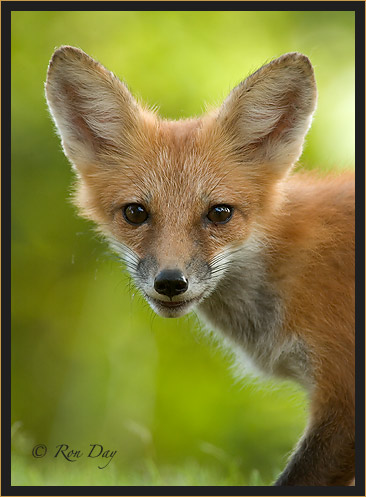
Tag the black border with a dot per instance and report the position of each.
(356, 6)
(229, 5)
(360, 248)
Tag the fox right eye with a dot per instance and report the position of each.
(220, 214)
(135, 214)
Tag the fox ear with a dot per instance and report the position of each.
(93, 110)
(269, 113)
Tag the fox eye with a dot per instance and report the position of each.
(220, 214)
(135, 213)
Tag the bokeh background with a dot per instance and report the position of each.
(90, 362)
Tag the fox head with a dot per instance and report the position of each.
(177, 199)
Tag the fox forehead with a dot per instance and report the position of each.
(180, 164)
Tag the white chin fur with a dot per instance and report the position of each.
(171, 312)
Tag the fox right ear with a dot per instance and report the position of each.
(268, 115)
(92, 109)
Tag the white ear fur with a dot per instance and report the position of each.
(268, 115)
(92, 109)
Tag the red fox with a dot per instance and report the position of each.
(207, 215)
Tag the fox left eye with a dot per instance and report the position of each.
(135, 213)
(220, 214)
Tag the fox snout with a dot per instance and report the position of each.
(172, 290)
(171, 282)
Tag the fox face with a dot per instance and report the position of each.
(175, 249)
(177, 200)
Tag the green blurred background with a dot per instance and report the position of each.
(90, 362)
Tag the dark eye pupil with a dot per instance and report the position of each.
(220, 213)
(135, 213)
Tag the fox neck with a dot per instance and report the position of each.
(249, 312)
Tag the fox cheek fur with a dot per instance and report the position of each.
(206, 214)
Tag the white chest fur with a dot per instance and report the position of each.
(248, 311)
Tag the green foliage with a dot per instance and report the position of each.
(90, 362)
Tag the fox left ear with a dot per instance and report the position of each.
(268, 115)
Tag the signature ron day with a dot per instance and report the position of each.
(63, 451)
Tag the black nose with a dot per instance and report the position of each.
(170, 282)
